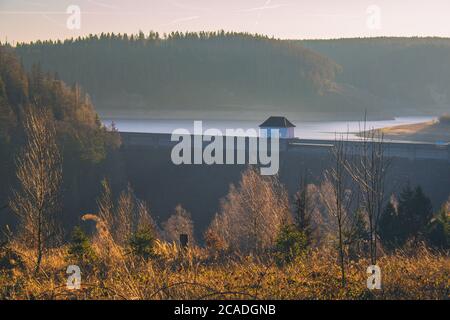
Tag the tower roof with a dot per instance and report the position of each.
(276, 122)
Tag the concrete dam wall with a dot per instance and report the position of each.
(199, 188)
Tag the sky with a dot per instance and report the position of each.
(30, 20)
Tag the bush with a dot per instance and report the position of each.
(142, 243)
(290, 243)
(80, 247)
(252, 213)
(408, 221)
(438, 231)
(179, 223)
(214, 243)
(10, 259)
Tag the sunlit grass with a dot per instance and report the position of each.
(194, 274)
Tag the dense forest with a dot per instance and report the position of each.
(220, 71)
(413, 73)
(206, 70)
(89, 150)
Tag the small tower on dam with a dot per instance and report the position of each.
(283, 125)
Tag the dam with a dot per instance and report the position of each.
(408, 150)
(200, 188)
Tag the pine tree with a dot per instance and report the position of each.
(388, 227)
(416, 211)
(408, 221)
(80, 247)
(438, 231)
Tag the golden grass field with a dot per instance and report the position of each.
(198, 274)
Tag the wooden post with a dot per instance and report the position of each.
(184, 240)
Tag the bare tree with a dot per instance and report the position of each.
(337, 196)
(368, 168)
(39, 171)
(252, 214)
(106, 207)
(304, 209)
(116, 223)
(145, 220)
(126, 216)
(179, 223)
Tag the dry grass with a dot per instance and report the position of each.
(431, 131)
(193, 274)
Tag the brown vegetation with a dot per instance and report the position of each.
(431, 131)
(423, 275)
(256, 248)
(252, 214)
(238, 262)
(39, 171)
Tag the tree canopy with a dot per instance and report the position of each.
(181, 70)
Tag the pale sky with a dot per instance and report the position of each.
(29, 20)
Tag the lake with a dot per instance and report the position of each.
(320, 130)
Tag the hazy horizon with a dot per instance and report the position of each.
(30, 20)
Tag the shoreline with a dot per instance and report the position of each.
(427, 132)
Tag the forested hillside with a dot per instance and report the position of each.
(251, 74)
(88, 149)
(411, 73)
(208, 71)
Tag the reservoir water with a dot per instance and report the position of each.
(320, 130)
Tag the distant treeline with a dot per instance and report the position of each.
(412, 72)
(183, 70)
(219, 70)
